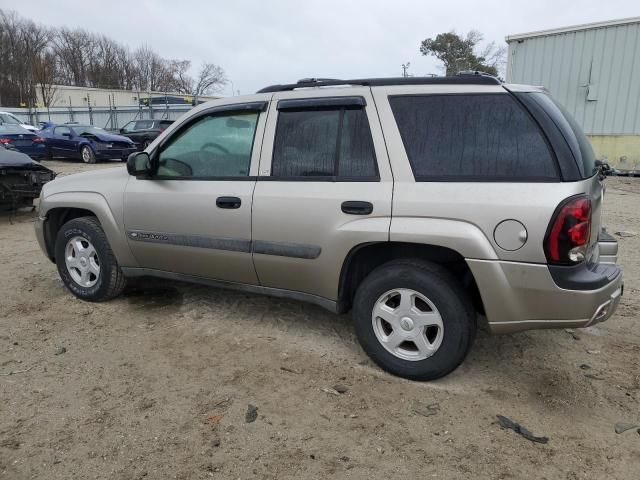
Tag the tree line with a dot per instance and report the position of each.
(35, 58)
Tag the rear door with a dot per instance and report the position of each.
(325, 187)
(194, 216)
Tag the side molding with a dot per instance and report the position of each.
(273, 292)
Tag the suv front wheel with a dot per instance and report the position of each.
(85, 261)
(414, 319)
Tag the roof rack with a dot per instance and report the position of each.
(462, 78)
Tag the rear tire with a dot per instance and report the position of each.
(87, 155)
(85, 261)
(423, 339)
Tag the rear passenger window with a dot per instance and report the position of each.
(324, 143)
(471, 138)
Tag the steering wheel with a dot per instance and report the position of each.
(215, 145)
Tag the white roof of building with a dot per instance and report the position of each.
(573, 28)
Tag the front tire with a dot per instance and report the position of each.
(414, 319)
(85, 261)
(87, 155)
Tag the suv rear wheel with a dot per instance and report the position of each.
(85, 261)
(414, 319)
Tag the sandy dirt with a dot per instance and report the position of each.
(156, 385)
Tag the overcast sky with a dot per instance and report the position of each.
(264, 42)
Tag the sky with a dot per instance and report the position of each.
(260, 43)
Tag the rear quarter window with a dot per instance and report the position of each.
(472, 137)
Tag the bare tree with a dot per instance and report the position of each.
(32, 56)
(45, 75)
(210, 79)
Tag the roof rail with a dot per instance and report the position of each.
(462, 78)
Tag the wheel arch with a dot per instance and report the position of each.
(364, 258)
(63, 207)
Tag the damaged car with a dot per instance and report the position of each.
(21, 179)
(86, 142)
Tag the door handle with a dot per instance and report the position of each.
(228, 202)
(354, 207)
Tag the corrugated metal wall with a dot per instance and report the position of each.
(594, 73)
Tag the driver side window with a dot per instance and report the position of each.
(217, 145)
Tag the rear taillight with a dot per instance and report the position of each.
(568, 236)
(38, 140)
(5, 140)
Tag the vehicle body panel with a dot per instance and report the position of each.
(100, 192)
(174, 225)
(308, 213)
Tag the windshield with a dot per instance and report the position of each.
(88, 129)
(10, 119)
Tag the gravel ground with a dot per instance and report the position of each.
(156, 384)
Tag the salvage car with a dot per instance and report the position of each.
(143, 132)
(22, 140)
(85, 142)
(425, 206)
(21, 179)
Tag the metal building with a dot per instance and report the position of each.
(594, 71)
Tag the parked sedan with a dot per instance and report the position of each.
(143, 132)
(86, 142)
(22, 140)
(10, 119)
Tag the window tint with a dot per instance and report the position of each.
(357, 158)
(212, 146)
(323, 143)
(61, 130)
(586, 157)
(471, 137)
(143, 124)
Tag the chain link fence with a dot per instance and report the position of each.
(110, 118)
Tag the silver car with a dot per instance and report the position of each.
(425, 206)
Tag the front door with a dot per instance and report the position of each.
(61, 143)
(194, 216)
(325, 186)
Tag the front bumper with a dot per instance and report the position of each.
(121, 153)
(39, 228)
(524, 296)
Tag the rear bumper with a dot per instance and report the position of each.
(34, 151)
(524, 296)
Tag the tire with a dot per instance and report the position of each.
(109, 281)
(87, 155)
(146, 143)
(437, 298)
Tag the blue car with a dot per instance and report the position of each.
(17, 138)
(86, 142)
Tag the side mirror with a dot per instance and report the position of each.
(139, 164)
